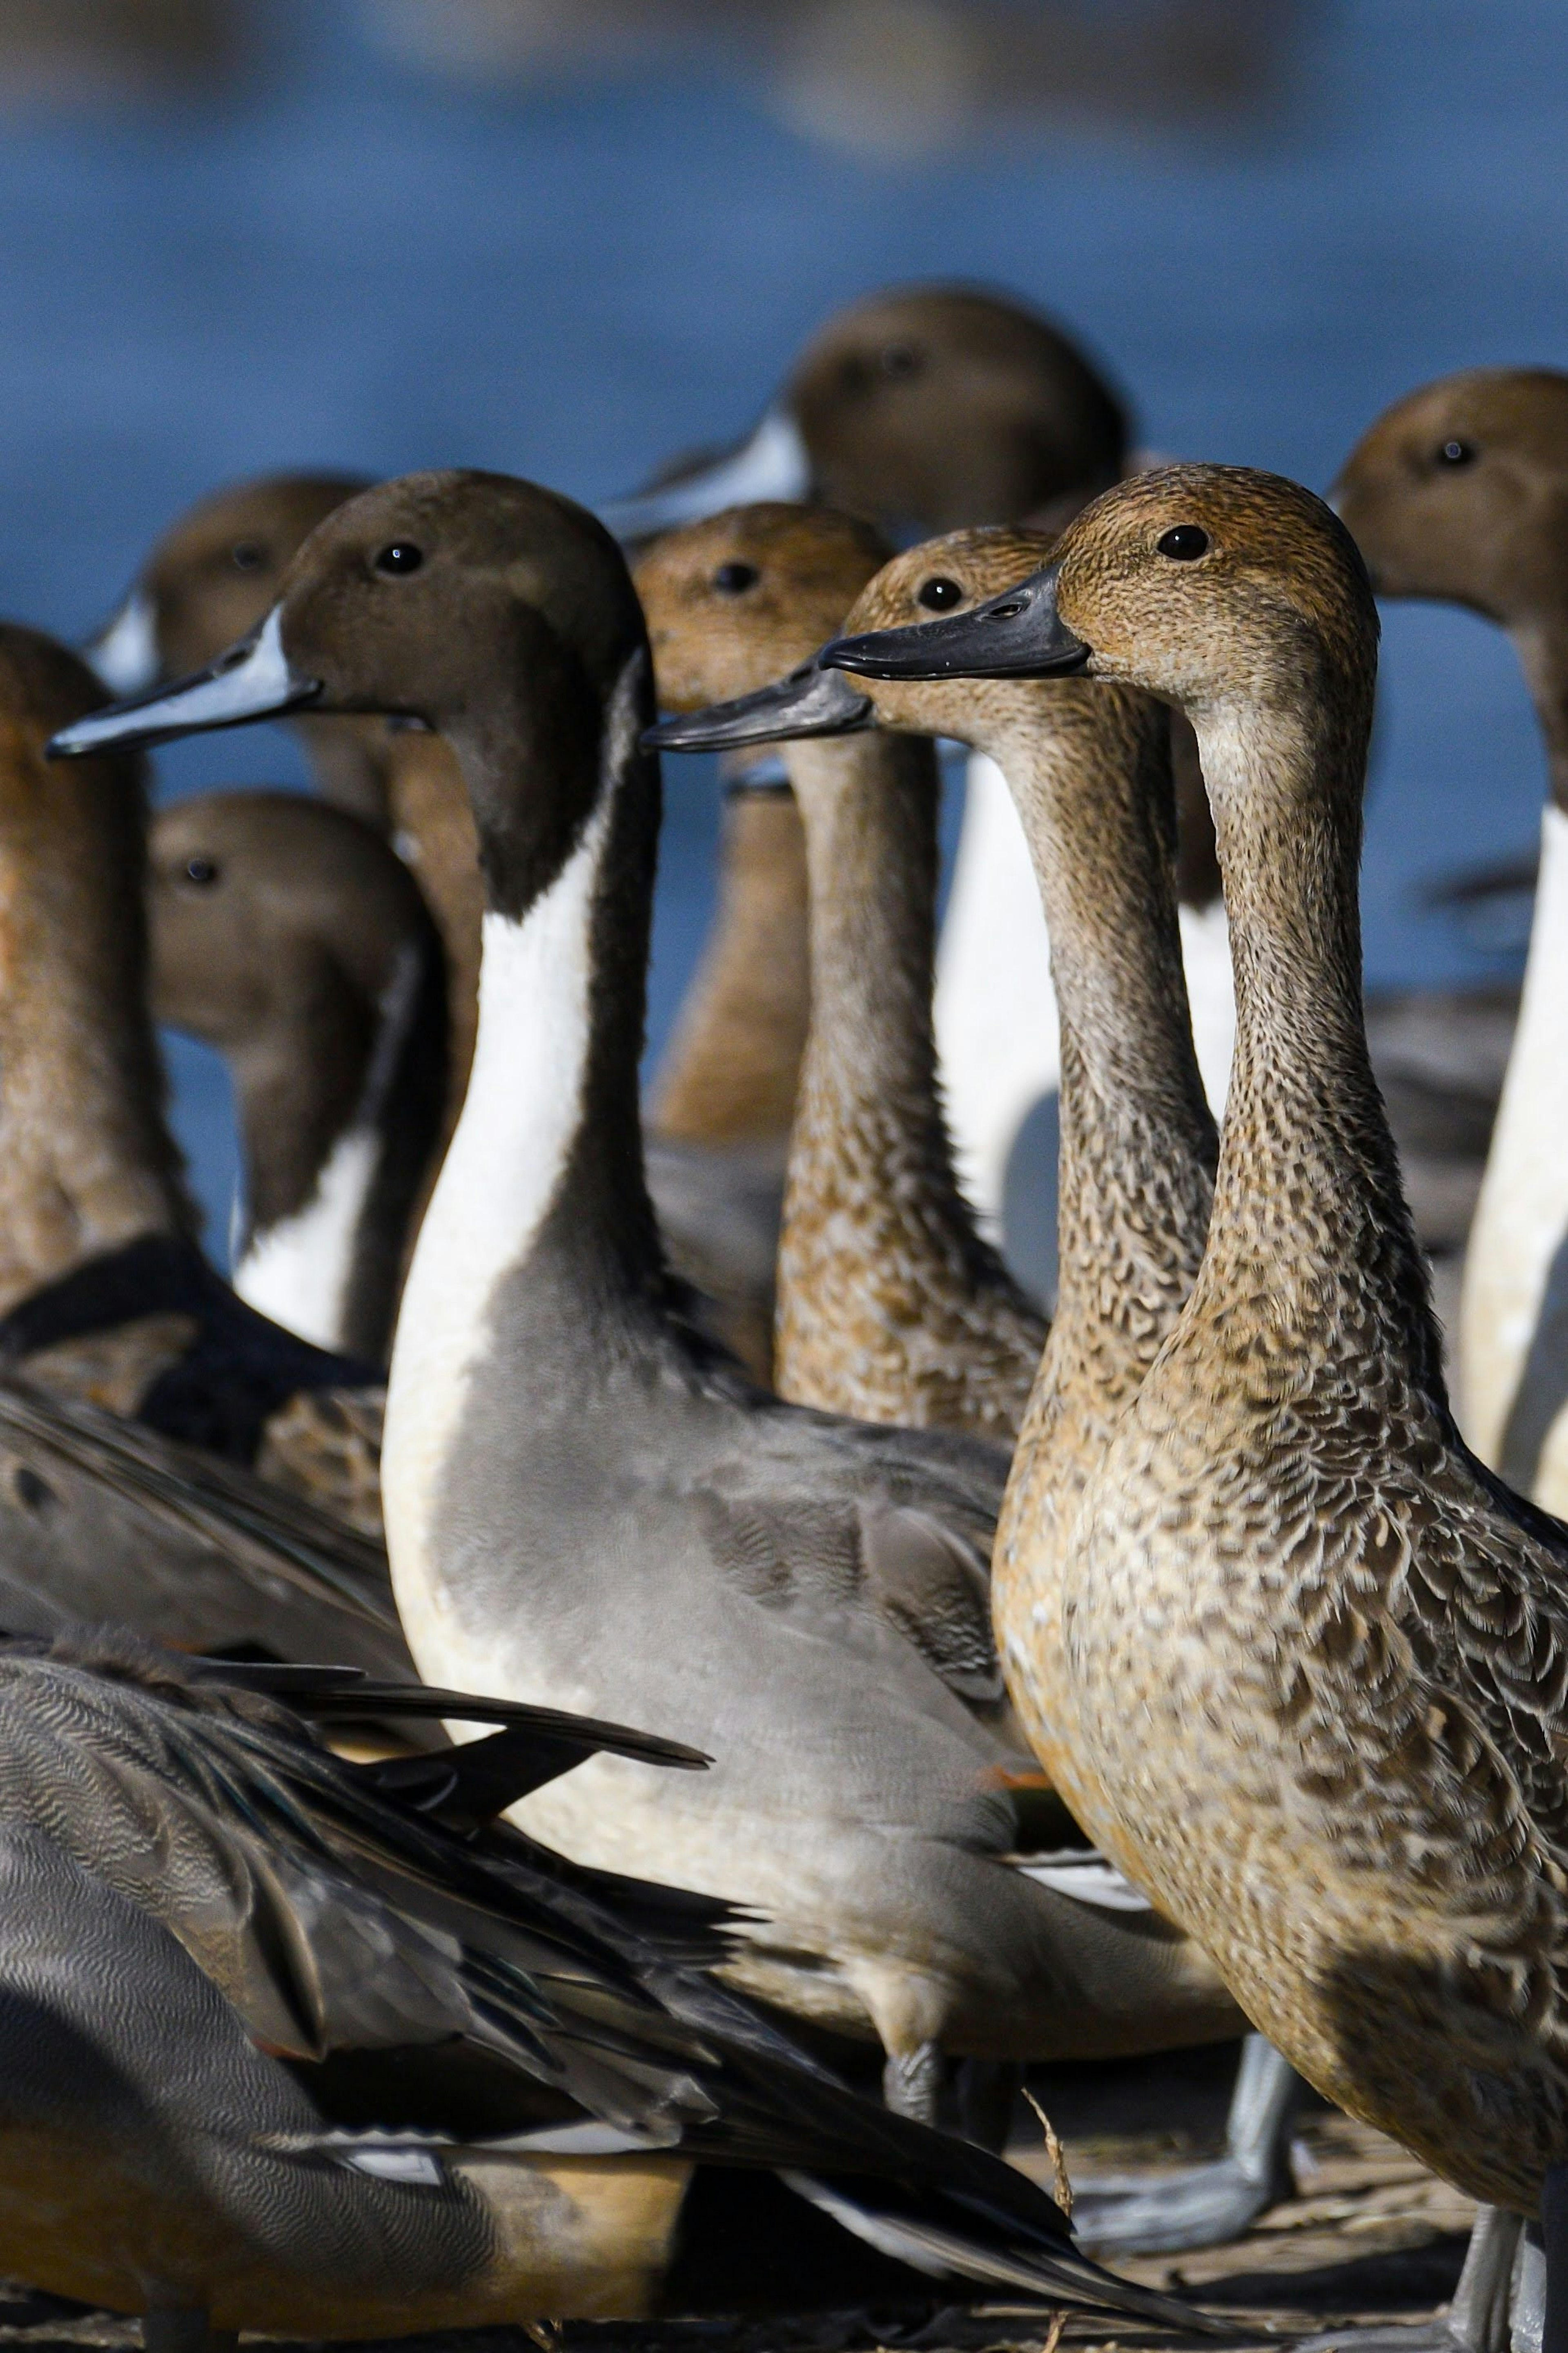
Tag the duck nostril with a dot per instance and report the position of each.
(1010, 610)
(939, 595)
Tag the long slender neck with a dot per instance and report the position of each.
(433, 829)
(1310, 1226)
(1089, 769)
(1541, 644)
(730, 1074)
(87, 1161)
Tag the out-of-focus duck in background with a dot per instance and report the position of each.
(288, 934)
(1460, 491)
(925, 408)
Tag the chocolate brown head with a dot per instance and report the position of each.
(1460, 491)
(736, 601)
(940, 405)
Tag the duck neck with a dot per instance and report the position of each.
(1541, 642)
(733, 1067)
(87, 1161)
(1310, 1226)
(1090, 771)
(542, 1190)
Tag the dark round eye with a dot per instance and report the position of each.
(248, 556)
(1457, 453)
(201, 870)
(902, 360)
(402, 557)
(1184, 544)
(734, 579)
(939, 595)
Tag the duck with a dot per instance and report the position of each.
(926, 408)
(1312, 1700)
(104, 1292)
(1093, 776)
(891, 1307)
(286, 934)
(1453, 493)
(352, 2058)
(214, 575)
(581, 1492)
(206, 580)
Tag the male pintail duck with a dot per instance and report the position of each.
(582, 1494)
(1457, 492)
(890, 1305)
(927, 408)
(1092, 773)
(103, 1291)
(286, 934)
(354, 2058)
(1339, 1759)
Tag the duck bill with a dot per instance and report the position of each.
(254, 680)
(773, 463)
(1018, 634)
(810, 701)
(124, 654)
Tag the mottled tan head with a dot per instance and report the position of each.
(951, 575)
(740, 599)
(1460, 491)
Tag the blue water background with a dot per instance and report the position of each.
(350, 264)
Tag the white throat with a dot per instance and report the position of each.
(501, 1175)
(1513, 1325)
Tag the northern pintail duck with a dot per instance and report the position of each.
(1457, 492)
(927, 408)
(322, 2049)
(583, 1495)
(1300, 1660)
(890, 1306)
(287, 935)
(1092, 772)
(103, 1291)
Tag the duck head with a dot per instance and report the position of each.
(1460, 491)
(924, 406)
(212, 577)
(496, 613)
(1205, 586)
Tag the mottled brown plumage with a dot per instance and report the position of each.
(1315, 1665)
(890, 1306)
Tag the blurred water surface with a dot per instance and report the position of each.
(348, 257)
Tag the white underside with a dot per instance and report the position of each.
(501, 1175)
(1516, 1272)
(997, 1009)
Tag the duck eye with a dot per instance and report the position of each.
(939, 595)
(1455, 452)
(402, 557)
(1184, 544)
(734, 579)
(201, 870)
(902, 360)
(248, 556)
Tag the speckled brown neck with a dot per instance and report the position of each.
(730, 1072)
(1311, 1225)
(87, 1163)
(1541, 644)
(890, 1306)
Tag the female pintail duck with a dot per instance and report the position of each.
(928, 408)
(890, 1306)
(1337, 1761)
(581, 1494)
(1457, 492)
(287, 935)
(103, 1291)
(355, 2060)
(1092, 774)
(214, 575)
